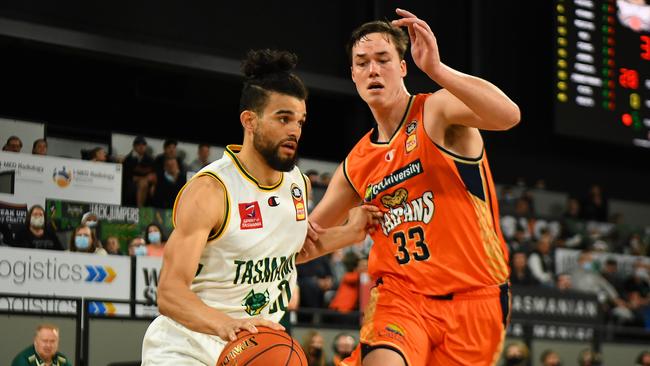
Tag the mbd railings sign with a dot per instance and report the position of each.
(40, 177)
(64, 274)
(552, 314)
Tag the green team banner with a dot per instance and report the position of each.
(113, 220)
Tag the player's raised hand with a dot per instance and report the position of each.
(228, 330)
(424, 47)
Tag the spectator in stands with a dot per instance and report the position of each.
(563, 282)
(168, 184)
(13, 144)
(572, 225)
(346, 298)
(507, 200)
(312, 344)
(343, 345)
(550, 358)
(519, 242)
(36, 234)
(314, 279)
(83, 240)
(44, 351)
(516, 354)
(138, 247)
(586, 279)
(169, 151)
(639, 280)
(640, 307)
(202, 158)
(610, 273)
(594, 206)
(112, 246)
(91, 220)
(98, 154)
(520, 274)
(643, 359)
(155, 242)
(325, 179)
(527, 196)
(541, 261)
(587, 357)
(137, 174)
(39, 147)
(636, 245)
(313, 176)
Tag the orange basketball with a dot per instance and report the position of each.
(268, 347)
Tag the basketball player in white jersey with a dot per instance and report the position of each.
(230, 263)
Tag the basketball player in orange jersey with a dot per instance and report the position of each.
(439, 259)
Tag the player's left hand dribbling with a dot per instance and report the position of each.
(228, 330)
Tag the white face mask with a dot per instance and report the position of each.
(642, 273)
(37, 221)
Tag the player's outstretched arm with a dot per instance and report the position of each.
(465, 100)
(200, 208)
(337, 205)
(362, 220)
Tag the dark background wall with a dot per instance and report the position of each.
(83, 84)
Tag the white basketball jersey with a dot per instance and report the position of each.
(248, 266)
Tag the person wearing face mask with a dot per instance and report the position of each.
(155, 243)
(83, 240)
(92, 221)
(36, 234)
(313, 346)
(343, 346)
(138, 247)
(585, 278)
(516, 354)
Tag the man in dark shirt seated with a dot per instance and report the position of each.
(35, 234)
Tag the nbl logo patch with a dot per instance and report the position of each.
(251, 216)
(298, 202)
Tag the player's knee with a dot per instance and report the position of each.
(383, 357)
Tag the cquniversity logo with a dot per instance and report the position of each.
(104, 274)
(62, 177)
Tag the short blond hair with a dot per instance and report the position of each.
(42, 326)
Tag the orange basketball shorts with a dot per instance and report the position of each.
(465, 328)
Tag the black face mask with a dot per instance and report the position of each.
(344, 355)
(514, 361)
(316, 352)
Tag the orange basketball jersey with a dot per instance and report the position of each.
(440, 232)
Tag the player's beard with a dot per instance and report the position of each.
(271, 152)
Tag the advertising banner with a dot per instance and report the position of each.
(54, 273)
(39, 177)
(113, 220)
(147, 274)
(12, 218)
(568, 312)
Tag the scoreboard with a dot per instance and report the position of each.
(602, 70)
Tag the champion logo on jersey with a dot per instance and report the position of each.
(273, 201)
(298, 202)
(251, 216)
(390, 155)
